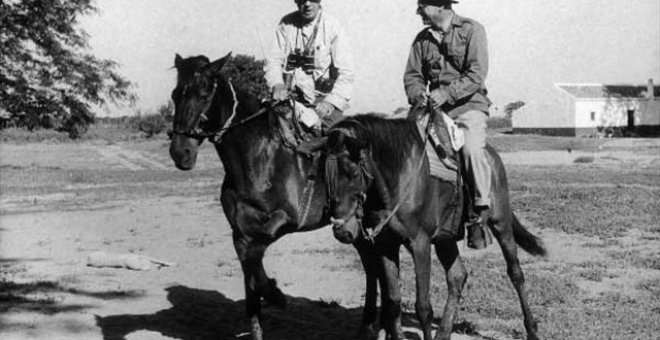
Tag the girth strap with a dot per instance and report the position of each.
(308, 191)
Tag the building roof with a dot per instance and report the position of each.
(600, 91)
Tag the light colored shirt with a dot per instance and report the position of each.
(332, 77)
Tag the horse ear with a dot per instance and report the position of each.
(354, 147)
(216, 66)
(177, 60)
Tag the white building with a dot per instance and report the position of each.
(590, 110)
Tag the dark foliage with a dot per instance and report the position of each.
(247, 73)
(47, 78)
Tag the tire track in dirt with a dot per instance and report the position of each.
(128, 159)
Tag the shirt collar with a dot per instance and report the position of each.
(456, 20)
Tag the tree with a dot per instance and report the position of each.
(247, 73)
(47, 76)
(509, 108)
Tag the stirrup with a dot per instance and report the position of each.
(478, 236)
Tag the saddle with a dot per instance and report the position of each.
(294, 129)
(444, 141)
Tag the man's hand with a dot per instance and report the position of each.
(420, 99)
(280, 92)
(438, 97)
(324, 108)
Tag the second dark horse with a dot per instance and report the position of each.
(267, 192)
(377, 169)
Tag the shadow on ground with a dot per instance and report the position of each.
(204, 314)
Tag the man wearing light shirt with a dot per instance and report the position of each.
(310, 59)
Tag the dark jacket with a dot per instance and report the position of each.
(455, 62)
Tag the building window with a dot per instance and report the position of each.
(593, 116)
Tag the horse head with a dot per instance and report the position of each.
(348, 178)
(203, 101)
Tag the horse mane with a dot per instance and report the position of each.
(391, 140)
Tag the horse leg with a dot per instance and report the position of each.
(369, 262)
(447, 253)
(257, 284)
(420, 249)
(504, 234)
(391, 296)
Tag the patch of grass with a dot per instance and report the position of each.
(20, 136)
(651, 286)
(82, 177)
(511, 143)
(634, 258)
(609, 316)
(584, 159)
(607, 243)
(593, 274)
(600, 210)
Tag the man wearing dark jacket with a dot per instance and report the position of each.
(450, 58)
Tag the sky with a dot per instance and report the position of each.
(531, 44)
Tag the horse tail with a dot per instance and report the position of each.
(526, 240)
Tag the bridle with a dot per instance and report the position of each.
(365, 178)
(215, 136)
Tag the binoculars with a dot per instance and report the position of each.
(297, 59)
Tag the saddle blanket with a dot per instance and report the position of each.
(437, 168)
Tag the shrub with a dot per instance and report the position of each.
(152, 125)
(499, 122)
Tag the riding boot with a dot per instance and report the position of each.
(478, 232)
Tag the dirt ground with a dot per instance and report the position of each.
(62, 202)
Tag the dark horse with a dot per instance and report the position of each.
(376, 168)
(267, 191)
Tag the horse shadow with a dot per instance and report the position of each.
(204, 314)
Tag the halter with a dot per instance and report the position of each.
(215, 136)
(331, 175)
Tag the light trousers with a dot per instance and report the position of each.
(473, 124)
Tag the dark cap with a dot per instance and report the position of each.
(438, 3)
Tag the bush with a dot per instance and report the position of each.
(499, 123)
(247, 74)
(152, 125)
